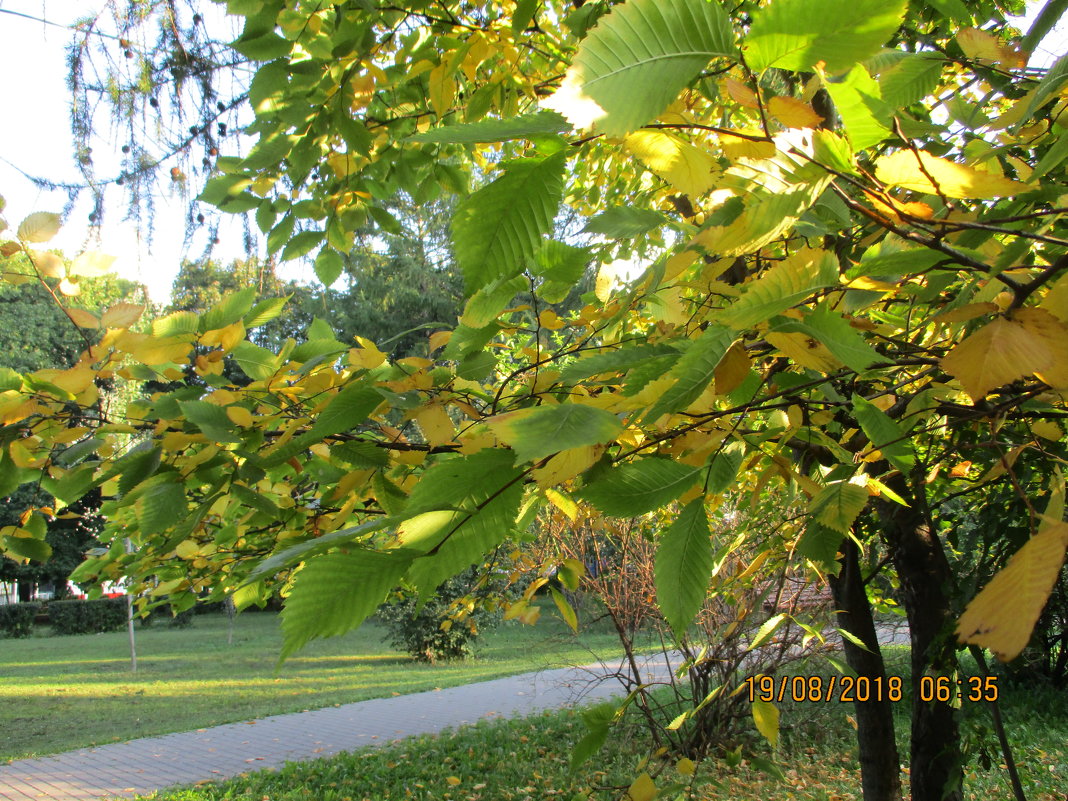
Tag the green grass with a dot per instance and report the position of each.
(527, 760)
(60, 693)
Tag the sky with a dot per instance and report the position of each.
(35, 137)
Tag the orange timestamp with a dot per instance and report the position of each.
(864, 689)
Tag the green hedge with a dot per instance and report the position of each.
(16, 620)
(87, 617)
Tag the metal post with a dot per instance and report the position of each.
(130, 619)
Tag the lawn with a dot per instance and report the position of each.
(528, 760)
(60, 693)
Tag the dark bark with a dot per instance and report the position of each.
(879, 762)
(926, 587)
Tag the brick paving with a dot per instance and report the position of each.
(154, 763)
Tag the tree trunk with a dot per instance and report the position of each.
(879, 763)
(926, 586)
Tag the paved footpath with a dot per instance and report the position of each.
(139, 767)
(154, 763)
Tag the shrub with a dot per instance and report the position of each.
(16, 620)
(447, 625)
(87, 617)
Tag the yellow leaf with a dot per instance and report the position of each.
(153, 351)
(363, 90)
(239, 415)
(740, 93)
(738, 147)
(566, 465)
(187, 549)
(903, 169)
(435, 423)
(1056, 300)
(91, 264)
(121, 315)
(686, 766)
(983, 46)
(1005, 350)
(686, 167)
(69, 288)
(732, 369)
(442, 89)
(642, 789)
(766, 717)
(793, 113)
(452, 780)
(563, 503)
(225, 338)
(82, 318)
(367, 356)
(1002, 616)
(1047, 429)
(23, 456)
(39, 227)
(49, 265)
(804, 350)
(439, 339)
(965, 313)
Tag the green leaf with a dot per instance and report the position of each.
(598, 719)
(302, 551)
(613, 361)
(912, 79)
(694, 371)
(683, 567)
(859, 103)
(885, 434)
(269, 151)
(176, 323)
(496, 230)
(550, 429)
(256, 362)
(211, 419)
(336, 592)
(9, 379)
(639, 487)
(134, 468)
(160, 505)
(783, 286)
(265, 311)
(71, 486)
(843, 340)
(350, 407)
(637, 60)
(490, 300)
(487, 491)
(765, 216)
(302, 244)
(723, 469)
(559, 262)
(527, 126)
(820, 543)
(1051, 83)
(623, 222)
(262, 47)
(25, 547)
(328, 265)
(567, 612)
(229, 310)
(797, 34)
(837, 505)
(1047, 18)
